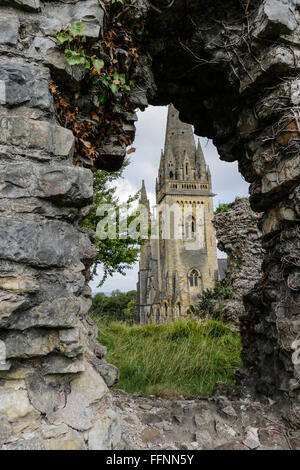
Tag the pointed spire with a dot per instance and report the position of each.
(200, 159)
(143, 197)
(179, 138)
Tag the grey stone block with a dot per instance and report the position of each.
(28, 5)
(26, 85)
(9, 30)
(40, 244)
(89, 12)
(64, 184)
(28, 133)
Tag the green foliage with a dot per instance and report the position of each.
(77, 29)
(181, 358)
(129, 311)
(208, 306)
(118, 1)
(223, 208)
(105, 81)
(118, 254)
(119, 306)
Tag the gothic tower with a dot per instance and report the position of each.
(182, 262)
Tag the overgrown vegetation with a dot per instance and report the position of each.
(222, 208)
(182, 358)
(119, 306)
(117, 254)
(211, 301)
(100, 85)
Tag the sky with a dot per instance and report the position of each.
(150, 134)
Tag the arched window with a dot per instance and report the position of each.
(190, 227)
(166, 309)
(178, 310)
(171, 175)
(194, 278)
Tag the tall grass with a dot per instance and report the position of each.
(182, 358)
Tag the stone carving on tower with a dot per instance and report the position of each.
(179, 262)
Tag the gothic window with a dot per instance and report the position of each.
(178, 310)
(171, 175)
(190, 227)
(166, 309)
(194, 278)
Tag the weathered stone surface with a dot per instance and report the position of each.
(26, 85)
(60, 313)
(70, 441)
(275, 17)
(106, 433)
(9, 31)
(251, 439)
(224, 430)
(262, 135)
(64, 184)
(76, 413)
(56, 364)
(89, 12)
(90, 385)
(50, 431)
(244, 252)
(4, 365)
(14, 402)
(44, 396)
(29, 5)
(25, 444)
(27, 133)
(30, 343)
(41, 244)
(108, 372)
(204, 439)
(5, 429)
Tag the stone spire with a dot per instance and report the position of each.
(143, 197)
(179, 141)
(203, 170)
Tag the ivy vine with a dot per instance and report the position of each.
(76, 53)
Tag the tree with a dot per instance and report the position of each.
(119, 306)
(119, 254)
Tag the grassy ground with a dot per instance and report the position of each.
(182, 358)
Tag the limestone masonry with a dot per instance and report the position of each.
(231, 69)
(182, 262)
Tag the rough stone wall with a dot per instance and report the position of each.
(231, 69)
(52, 393)
(239, 237)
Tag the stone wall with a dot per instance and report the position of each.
(233, 72)
(232, 69)
(239, 237)
(52, 389)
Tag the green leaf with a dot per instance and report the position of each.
(102, 98)
(105, 80)
(95, 80)
(120, 77)
(77, 29)
(132, 83)
(73, 58)
(63, 37)
(114, 88)
(87, 64)
(127, 88)
(98, 64)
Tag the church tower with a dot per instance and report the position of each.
(184, 257)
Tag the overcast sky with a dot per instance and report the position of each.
(150, 133)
